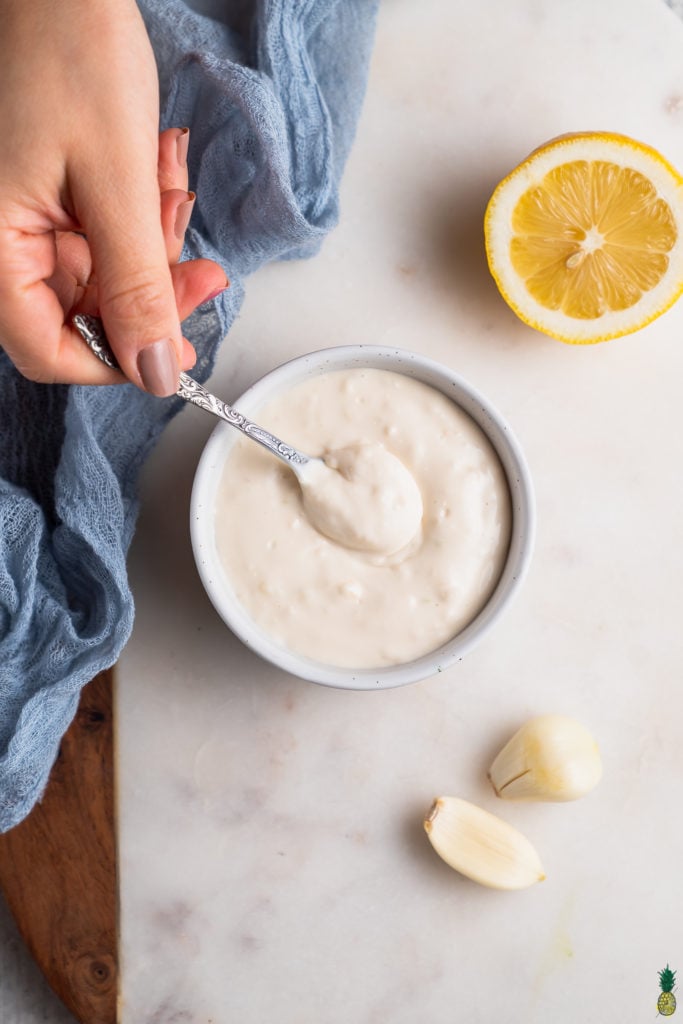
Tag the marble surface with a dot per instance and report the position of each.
(273, 862)
(25, 997)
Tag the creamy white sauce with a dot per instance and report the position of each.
(331, 601)
(363, 497)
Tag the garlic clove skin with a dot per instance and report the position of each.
(482, 846)
(551, 758)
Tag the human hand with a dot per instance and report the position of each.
(93, 203)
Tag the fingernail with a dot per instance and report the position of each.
(182, 216)
(183, 143)
(216, 293)
(158, 368)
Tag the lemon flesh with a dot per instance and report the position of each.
(584, 238)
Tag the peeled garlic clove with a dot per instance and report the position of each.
(481, 846)
(550, 758)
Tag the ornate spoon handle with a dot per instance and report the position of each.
(91, 330)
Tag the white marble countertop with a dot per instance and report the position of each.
(273, 862)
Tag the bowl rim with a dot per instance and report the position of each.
(287, 374)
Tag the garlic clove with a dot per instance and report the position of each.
(551, 757)
(482, 846)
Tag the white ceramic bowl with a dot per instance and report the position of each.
(281, 379)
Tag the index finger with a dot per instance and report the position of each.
(32, 328)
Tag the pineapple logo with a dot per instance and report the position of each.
(666, 1004)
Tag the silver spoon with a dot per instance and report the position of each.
(92, 331)
(332, 500)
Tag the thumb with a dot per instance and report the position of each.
(135, 289)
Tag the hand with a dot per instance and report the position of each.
(81, 157)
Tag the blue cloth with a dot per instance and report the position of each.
(271, 93)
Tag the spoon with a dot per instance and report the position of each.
(92, 331)
(361, 496)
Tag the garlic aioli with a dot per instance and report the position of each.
(347, 607)
(362, 497)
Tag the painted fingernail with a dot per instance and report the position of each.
(158, 368)
(182, 144)
(182, 216)
(216, 293)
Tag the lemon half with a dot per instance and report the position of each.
(585, 237)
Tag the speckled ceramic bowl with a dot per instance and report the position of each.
(207, 482)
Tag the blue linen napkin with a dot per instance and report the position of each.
(271, 91)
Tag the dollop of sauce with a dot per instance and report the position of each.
(343, 603)
(363, 498)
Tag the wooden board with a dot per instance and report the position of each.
(58, 867)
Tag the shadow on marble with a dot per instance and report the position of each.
(25, 996)
(457, 251)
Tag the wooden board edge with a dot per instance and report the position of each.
(58, 868)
